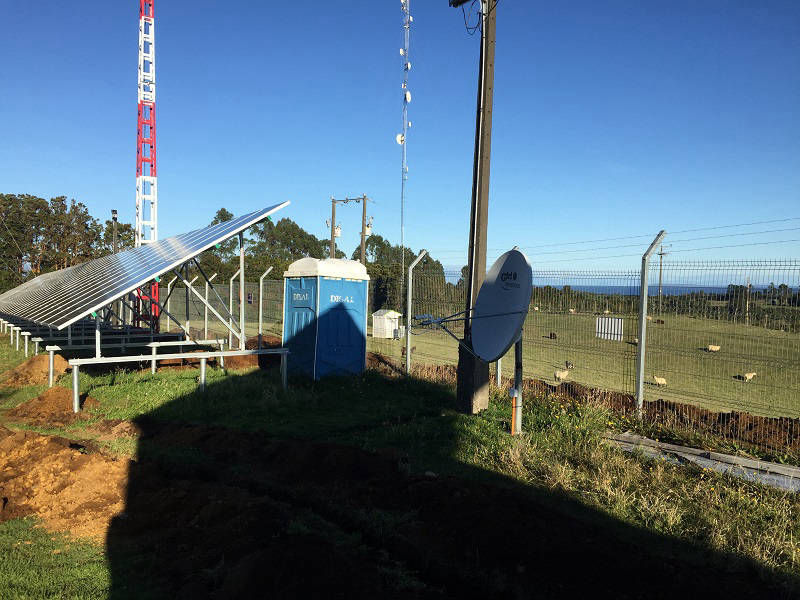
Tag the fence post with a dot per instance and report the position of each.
(640, 347)
(422, 254)
(261, 306)
(205, 307)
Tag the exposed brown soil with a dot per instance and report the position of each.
(35, 370)
(51, 407)
(775, 434)
(56, 480)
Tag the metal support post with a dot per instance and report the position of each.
(50, 366)
(261, 306)
(169, 287)
(364, 231)
(516, 402)
(212, 309)
(97, 337)
(153, 362)
(186, 276)
(499, 372)
(36, 347)
(203, 374)
(69, 335)
(422, 254)
(17, 329)
(230, 309)
(26, 335)
(241, 290)
(640, 348)
(205, 311)
(76, 399)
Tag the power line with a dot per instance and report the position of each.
(11, 235)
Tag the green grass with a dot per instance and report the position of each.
(36, 564)
(674, 351)
(561, 450)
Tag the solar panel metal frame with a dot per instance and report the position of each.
(60, 298)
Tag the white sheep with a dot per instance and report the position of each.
(749, 376)
(535, 308)
(572, 311)
(659, 380)
(649, 318)
(713, 348)
(561, 375)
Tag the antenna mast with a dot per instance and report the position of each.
(146, 183)
(401, 139)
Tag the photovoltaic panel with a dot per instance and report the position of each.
(63, 297)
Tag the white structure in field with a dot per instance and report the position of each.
(385, 322)
(609, 328)
(146, 228)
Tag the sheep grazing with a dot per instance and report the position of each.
(749, 376)
(649, 318)
(553, 335)
(570, 365)
(572, 311)
(659, 380)
(561, 375)
(535, 308)
(713, 348)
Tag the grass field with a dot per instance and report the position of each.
(737, 537)
(675, 351)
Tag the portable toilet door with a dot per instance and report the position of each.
(300, 323)
(342, 326)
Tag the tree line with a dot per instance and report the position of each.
(38, 236)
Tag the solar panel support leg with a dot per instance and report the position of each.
(50, 367)
(498, 375)
(76, 399)
(241, 290)
(26, 346)
(97, 338)
(18, 330)
(203, 374)
(153, 362)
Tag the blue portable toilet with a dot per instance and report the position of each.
(325, 316)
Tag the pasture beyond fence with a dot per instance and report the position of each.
(710, 325)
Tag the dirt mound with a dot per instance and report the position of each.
(111, 429)
(51, 407)
(56, 480)
(35, 370)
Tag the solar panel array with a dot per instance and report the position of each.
(63, 297)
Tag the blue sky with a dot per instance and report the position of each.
(610, 120)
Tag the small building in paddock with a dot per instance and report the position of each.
(325, 316)
(386, 323)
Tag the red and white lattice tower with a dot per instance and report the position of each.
(146, 182)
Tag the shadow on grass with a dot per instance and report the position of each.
(326, 492)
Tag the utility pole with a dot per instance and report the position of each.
(336, 230)
(333, 228)
(364, 230)
(473, 374)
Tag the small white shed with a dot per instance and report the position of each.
(384, 323)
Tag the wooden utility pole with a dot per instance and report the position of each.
(364, 230)
(333, 228)
(473, 374)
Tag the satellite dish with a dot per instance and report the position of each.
(402, 52)
(502, 305)
(400, 138)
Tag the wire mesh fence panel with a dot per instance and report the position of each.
(724, 336)
(581, 329)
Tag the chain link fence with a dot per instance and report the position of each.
(722, 355)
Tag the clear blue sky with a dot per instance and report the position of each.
(610, 119)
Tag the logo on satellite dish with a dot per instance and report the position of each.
(509, 279)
